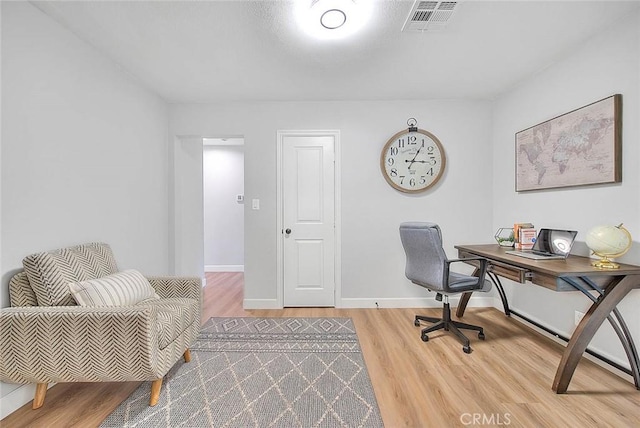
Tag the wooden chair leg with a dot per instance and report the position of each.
(38, 399)
(156, 386)
(155, 392)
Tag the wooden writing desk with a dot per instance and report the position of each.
(573, 274)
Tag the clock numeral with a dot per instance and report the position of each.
(401, 143)
(402, 179)
(412, 182)
(430, 172)
(430, 150)
(412, 139)
(422, 143)
(432, 160)
(394, 151)
(423, 180)
(393, 172)
(391, 161)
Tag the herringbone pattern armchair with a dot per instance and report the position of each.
(45, 337)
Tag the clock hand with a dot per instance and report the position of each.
(414, 158)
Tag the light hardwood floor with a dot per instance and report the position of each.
(505, 381)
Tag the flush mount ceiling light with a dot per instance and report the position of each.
(332, 19)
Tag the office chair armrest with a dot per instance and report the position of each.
(481, 274)
(484, 264)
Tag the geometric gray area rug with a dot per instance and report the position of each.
(262, 372)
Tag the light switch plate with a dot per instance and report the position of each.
(255, 204)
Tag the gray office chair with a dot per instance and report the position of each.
(428, 266)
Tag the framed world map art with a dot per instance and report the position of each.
(578, 148)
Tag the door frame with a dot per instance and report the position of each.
(186, 247)
(281, 134)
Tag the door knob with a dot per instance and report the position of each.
(288, 231)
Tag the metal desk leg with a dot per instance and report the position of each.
(464, 299)
(587, 328)
(505, 304)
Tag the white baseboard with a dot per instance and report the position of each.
(413, 302)
(17, 398)
(261, 304)
(224, 268)
(402, 302)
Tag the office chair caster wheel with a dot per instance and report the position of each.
(466, 349)
(424, 337)
(481, 336)
(416, 323)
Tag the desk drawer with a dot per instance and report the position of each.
(513, 273)
(504, 270)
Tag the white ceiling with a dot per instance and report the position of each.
(210, 51)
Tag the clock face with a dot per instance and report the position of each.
(412, 161)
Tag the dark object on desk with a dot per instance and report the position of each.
(550, 244)
(428, 266)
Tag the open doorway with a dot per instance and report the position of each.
(223, 205)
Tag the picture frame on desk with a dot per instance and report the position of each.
(579, 148)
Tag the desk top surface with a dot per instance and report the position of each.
(572, 266)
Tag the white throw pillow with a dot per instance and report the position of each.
(124, 288)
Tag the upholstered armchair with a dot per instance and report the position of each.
(135, 334)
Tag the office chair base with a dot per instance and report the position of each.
(447, 324)
(423, 318)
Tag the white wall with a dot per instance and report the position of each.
(223, 215)
(186, 208)
(84, 154)
(372, 255)
(605, 65)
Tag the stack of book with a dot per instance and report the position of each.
(524, 235)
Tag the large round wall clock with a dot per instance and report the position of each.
(413, 160)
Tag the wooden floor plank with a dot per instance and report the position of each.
(506, 380)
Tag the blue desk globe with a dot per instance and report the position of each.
(608, 242)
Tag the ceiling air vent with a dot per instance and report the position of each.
(430, 15)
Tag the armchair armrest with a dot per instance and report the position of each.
(177, 286)
(473, 285)
(169, 287)
(78, 344)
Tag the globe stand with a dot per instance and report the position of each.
(604, 263)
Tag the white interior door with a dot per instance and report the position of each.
(308, 219)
